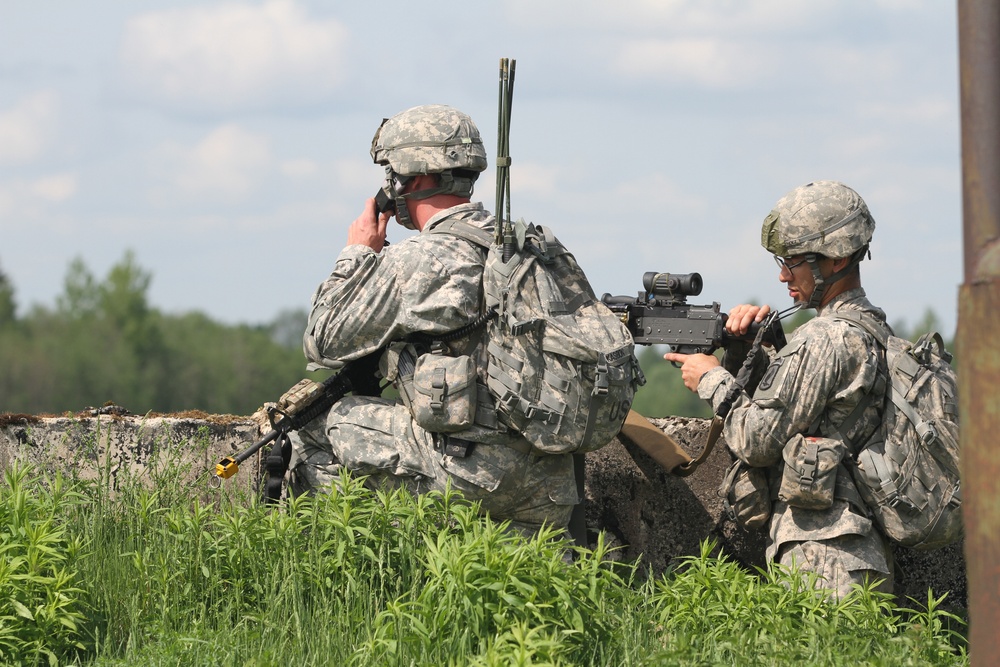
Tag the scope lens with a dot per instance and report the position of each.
(665, 284)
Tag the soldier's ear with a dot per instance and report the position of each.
(841, 263)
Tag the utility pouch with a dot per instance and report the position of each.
(809, 478)
(746, 496)
(443, 396)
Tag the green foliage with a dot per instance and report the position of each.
(360, 577)
(713, 608)
(505, 594)
(8, 307)
(927, 323)
(41, 599)
(104, 342)
(664, 393)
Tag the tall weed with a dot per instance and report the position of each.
(711, 610)
(487, 591)
(42, 603)
(156, 571)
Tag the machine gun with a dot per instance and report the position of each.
(661, 315)
(298, 406)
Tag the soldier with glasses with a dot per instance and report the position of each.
(799, 403)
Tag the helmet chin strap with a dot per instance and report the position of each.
(392, 186)
(820, 284)
(449, 184)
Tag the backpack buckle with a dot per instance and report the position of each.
(438, 388)
(519, 328)
(928, 433)
(601, 378)
(538, 413)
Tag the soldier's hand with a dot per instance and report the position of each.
(368, 229)
(742, 316)
(693, 366)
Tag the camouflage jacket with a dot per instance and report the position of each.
(428, 283)
(816, 380)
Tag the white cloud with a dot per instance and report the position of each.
(725, 45)
(230, 161)
(27, 200)
(228, 56)
(746, 61)
(677, 17)
(26, 129)
(711, 62)
(56, 188)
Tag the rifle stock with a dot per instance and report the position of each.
(306, 401)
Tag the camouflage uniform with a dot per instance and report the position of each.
(431, 284)
(816, 379)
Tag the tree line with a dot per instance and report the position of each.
(104, 342)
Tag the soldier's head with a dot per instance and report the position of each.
(823, 225)
(430, 140)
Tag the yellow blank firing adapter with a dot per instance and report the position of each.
(226, 468)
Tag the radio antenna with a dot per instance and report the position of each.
(504, 230)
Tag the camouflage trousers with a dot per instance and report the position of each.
(377, 438)
(841, 561)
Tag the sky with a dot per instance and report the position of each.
(225, 144)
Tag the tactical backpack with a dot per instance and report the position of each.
(908, 471)
(561, 366)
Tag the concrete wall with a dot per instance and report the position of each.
(107, 445)
(655, 517)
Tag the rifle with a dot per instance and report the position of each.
(301, 404)
(661, 315)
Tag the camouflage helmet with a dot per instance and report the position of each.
(429, 139)
(824, 217)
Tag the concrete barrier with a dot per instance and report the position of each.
(653, 516)
(96, 445)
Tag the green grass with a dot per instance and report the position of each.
(156, 574)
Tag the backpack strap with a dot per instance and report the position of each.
(880, 332)
(538, 239)
(463, 230)
(923, 347)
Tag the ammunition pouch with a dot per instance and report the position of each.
(746, 495)
(440, 391)
(809, 476)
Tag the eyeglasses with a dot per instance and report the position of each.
(783, 263)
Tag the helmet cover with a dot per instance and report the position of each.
(429, 139)
(823, 217)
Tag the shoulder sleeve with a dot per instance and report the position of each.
(349, 306)
(427, 283)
